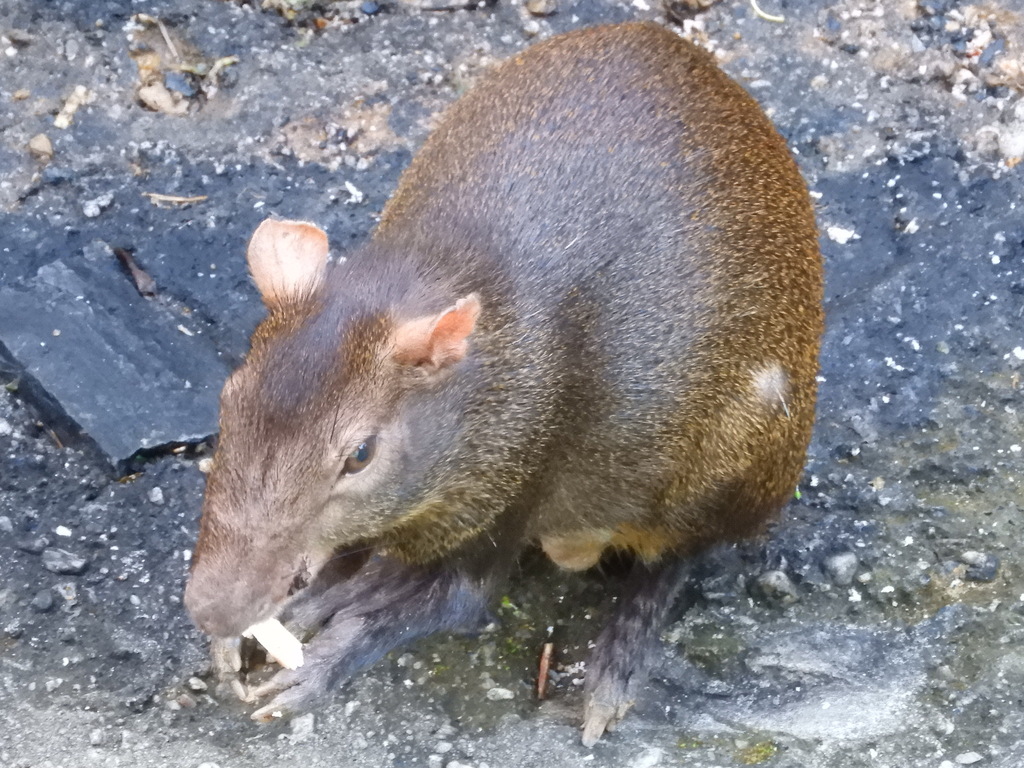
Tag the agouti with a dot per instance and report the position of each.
(589, 319)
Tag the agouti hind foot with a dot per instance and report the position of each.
(622, 654)
(385, 605)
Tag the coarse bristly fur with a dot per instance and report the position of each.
(589, 319)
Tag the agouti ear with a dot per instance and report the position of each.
(437, 341)
(287, 260)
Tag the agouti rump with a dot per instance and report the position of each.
(589, 319)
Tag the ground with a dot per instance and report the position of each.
(879, 623)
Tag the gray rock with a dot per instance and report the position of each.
(969, 758)
(777, 587)
(500, 694)
(981, 566)
(648, 758)
(43, 601)
(140, 382)
(61, 561)
(303, 728)
(841, 568)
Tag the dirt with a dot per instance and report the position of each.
(880, 623)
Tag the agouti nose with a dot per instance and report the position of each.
(226, 608)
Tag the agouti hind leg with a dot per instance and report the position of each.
(385, 605)
(619, 664)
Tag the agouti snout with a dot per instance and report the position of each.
(589, 319)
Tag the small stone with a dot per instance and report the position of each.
(156, 495)
(40, 147)
(969, 758)
(981, 566)
(6, 526)
(648, 758)
(33, 546)
(500, 694)
(43, 601)
(541, 7)
(68, 591)
(97, 737)
(435, 761)
(303, 727)
(179, 82)
(5, 428)
(93, 208)
(457, 764)
(196, 684)
(369, 7)
(62, 561)
(841, 568)
(443, 747)
(1011, 142)
(53, 684)
(186, 701)
(778, 587)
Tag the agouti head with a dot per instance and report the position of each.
(315, 447)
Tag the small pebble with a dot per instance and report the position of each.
(778, 587)
(842, 568)
(648, 758)
(369, 7)
(40, 147)
(981, 566)
(435, 761)
(33, 546)
(97, 737)
(62, 561)
(196, 684)
(969, 758)
(6, 526)
(93, 208)
(43, 601)
(303, 727)
(541, 7)
(500, 694)
(156, 495)
(179, 82)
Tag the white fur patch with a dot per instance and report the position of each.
(772, 385)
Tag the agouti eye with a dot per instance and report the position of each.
(356, 461)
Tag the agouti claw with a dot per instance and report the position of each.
(226, 659)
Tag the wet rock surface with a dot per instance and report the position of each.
(879, 623)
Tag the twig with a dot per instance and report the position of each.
(542, 672)
(158, 198)
(167, 39)
(766, 16)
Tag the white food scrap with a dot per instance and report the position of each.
(281, 644)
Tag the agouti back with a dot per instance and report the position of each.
(589, 319)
